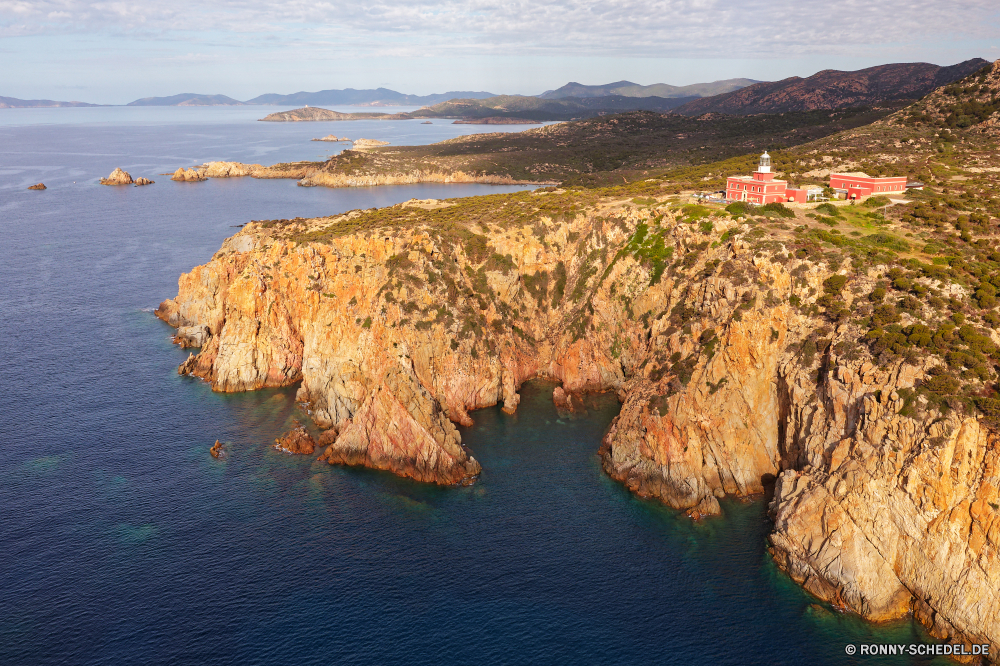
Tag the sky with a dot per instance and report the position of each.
(113, 51)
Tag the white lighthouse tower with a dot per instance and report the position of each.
(765, 163)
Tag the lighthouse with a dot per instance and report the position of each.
(761, 187)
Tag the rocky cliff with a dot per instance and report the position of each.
(743, 355)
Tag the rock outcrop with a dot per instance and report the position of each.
(365, 144)
(399, 322)
(37, 186)
(296, 441)
(183, 175)
(217, 450)
(117, 177)
(143, 181)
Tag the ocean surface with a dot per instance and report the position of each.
(124, 542)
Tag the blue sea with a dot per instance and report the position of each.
(124, 542)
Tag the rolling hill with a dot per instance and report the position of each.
(833, 89)
(629, 89)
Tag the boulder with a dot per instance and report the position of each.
(143, 181)
(217, 451)
(39, 186)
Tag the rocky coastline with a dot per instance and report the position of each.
(400, 322)
(313, 174)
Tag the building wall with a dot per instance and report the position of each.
(758, 190)
(796, 195)
(858, 186)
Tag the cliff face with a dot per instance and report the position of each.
(401, 321)
(891, 514)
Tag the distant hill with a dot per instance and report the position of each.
(629, 89)
(833, 89)
(187, 99)
(14, 103)
(352, 97)
(536, 108)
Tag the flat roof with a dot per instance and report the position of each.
(751, 178)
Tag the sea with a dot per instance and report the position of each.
(124, 542)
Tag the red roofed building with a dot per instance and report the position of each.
(857, 184)
(760, 188)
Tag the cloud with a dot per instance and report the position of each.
(615, 28)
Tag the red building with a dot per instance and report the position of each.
(857, 184)
(760, 188)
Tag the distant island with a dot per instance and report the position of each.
(188, 99)
(313, 114)
(15, 103)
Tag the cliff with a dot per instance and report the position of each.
(399, 322)
(848, 360)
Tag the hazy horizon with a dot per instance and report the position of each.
(85, 50)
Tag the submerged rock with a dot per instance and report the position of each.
(117, 177)
(566, 402)
(38, 186)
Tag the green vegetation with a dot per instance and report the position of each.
(609, 150)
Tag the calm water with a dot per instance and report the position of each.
(124, 542)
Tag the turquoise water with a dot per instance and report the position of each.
(126, 543)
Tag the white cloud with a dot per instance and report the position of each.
(618, 28)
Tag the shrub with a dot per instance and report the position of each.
(834, 284)
(829, 209)
(777, 208)
(877, 201)
(739, 208)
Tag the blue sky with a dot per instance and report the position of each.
(113, 51)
